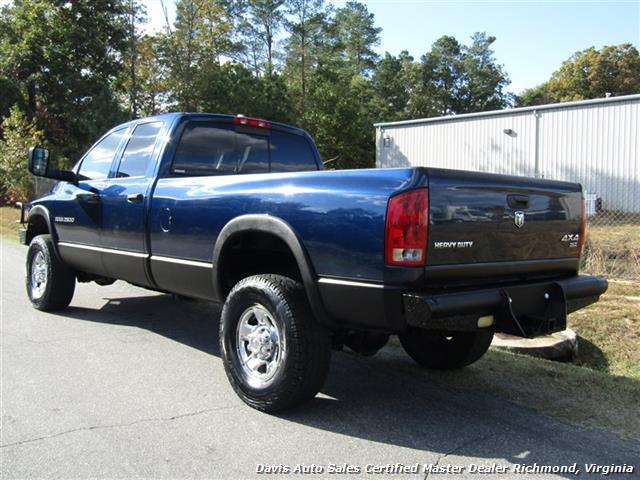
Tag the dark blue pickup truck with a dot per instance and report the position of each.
(237, 210)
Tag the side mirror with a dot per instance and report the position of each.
(39, 161)
(39, 158)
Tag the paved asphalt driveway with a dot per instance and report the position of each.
(128, 383)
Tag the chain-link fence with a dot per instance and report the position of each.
(613, 236)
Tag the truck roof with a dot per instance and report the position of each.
(226, 118)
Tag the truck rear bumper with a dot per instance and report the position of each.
(525, 310)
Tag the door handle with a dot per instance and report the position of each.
(89, 197)
(518, 201)
(134, 197)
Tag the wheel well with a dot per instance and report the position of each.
(37, 226)
(253, 253)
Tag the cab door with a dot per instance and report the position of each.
(189, 207)
(77, 211)
(125, 202)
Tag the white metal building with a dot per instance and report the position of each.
(593, 142)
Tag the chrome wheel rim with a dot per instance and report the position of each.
(38, 275)
(260, 344)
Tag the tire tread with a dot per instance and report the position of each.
(61, 281)
(308, 344)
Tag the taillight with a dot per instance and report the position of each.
(406, 228)
(251, 122)
(583, 228)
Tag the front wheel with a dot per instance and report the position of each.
(446, 350)
(50, 283)
(275, 353)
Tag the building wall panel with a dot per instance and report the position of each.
(593, 143)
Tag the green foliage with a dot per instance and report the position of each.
(233, 88)
(192, 53)
(341, 120)
(451, 78)
(393, 81)
(11, 96)
(461, 79)
(64, 57)
(128, 80)
(266, 18)
(151, 78)
(75, 69)
(19, 133)
(357, 36)
(307, 29)
(537, 95)
(591, 73)
(484, 80)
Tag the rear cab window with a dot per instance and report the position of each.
(139, 150)
(208, 148)
(205, 149)
(291, 153)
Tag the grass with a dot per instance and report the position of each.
(613, 251)
(579, 395)
(8, 226)
(609, 331)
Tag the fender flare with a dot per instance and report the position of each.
(281, 229)
(42, 211)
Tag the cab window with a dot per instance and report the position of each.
(218, 149)
(139, 150)
(206, 149)
(210, 149)
(97, 163)
(291, 153)
(253, 153)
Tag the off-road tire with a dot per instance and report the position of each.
(303, 368)
(448, 350)
(60, 278)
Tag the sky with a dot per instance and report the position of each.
(532, 38)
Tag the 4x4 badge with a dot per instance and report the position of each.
(518, 219)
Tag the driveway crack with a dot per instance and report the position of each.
(459, 448)
(116, 425)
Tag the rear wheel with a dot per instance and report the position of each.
(50, 283)
(275, 353)
(445, 350)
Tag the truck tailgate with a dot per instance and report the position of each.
(477, 217)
